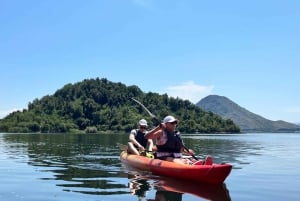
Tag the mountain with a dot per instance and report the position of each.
(246, 120)
(101, 106)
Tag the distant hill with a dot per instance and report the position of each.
(246, 120)
(101, 106)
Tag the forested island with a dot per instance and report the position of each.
(101, 106)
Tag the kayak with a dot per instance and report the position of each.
(213, 174)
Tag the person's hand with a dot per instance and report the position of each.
(141, 148)
(191, 152)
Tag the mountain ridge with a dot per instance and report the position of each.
(246, 120)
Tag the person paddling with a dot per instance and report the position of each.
(170, 145)
(168, 141)
(137, 141)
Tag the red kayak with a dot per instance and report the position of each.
(214, 174)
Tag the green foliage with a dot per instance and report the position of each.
(100, 106)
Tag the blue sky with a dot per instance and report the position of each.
(247, 51)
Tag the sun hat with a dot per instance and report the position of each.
(169, 119)
(143, 122)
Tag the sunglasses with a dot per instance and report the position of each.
(174, 122)
(143, 127)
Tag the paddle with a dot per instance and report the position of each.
(158, 121)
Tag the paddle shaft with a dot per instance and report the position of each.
(158, 121)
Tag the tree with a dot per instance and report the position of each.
(99, 105)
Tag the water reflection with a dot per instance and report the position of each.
(90, 164)
(86, 164)
(168, 189)
(139, 187)
(231, 149)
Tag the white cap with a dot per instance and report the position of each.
(143, 122)
(169, 119)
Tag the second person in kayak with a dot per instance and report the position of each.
(137, 142)
(168, 141)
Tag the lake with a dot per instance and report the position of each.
(48, 167)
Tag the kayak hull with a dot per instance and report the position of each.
(214, 174)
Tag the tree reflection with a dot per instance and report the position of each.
(90, 164)
(87, 164)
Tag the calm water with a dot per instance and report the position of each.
(87, 168)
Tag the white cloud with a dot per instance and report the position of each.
(189, 90)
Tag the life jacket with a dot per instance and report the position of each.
(140, 137)
(173, 144)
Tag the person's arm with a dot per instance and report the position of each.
(150, 144)
(155, 132)
(134, 141)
